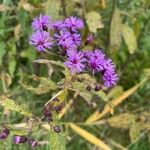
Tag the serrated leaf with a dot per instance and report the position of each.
(57, 141)
(12, 66)
(93, 20)
(89, 137)
(11, 105)
(115, 30)
(45, 61)
(44, 86)
(53, 8)
(60, 96)
(130, 38)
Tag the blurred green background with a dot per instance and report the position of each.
(122, 29)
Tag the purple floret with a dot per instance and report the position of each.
(41, 40)
(109, 65)
(96, 59)
(58, 25)
(74, 23)
(68, 45)
(75, 62)
(76, 38)
(41, 23)
(110, 78)
(62, 37)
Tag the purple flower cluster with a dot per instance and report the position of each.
(17, 139)
(65, 35)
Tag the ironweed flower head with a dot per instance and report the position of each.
(41, 23)
(74, 23)
(110, 78)
(58, 25)
(41, 40)
(75, 62)
(62, 37)
(76, 38)
(96, 60)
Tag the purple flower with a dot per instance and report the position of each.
(76, 38)
(62, 37)
(4, 134)
(41, 40)
(74, 23)
(110, 78)
(109, 65)
(68, 45)
(41, 23)
(19, 139)
(96, 59)
(75, 61)
(58, 25)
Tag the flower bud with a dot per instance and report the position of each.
(89, 39)
(32, 142)
(19, 139)
(57, 129)
(4, 134)
(98, 88)
(88, 88)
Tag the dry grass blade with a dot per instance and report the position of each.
(98, 115)
(89, 137)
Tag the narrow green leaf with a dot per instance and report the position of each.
(115, 30)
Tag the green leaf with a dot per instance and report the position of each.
(2, 51)
(60, 96)
(44, 86)
(16, 131)
(93, 20)
(52, 8)
(130, 38)
(115, 30)
(12, 66)
(115, 92)
(57, 141)
(102, 95)
(11, 105)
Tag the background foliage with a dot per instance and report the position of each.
(119, 119)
